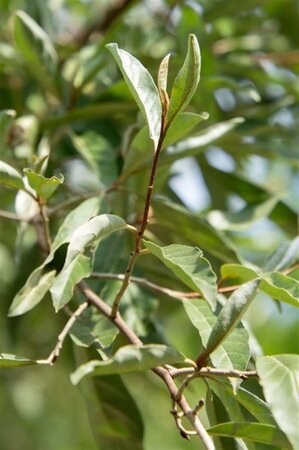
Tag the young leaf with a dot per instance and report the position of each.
(142, 87)
(10, 176)
(92, 232)
(63, 287)
(257, 432)
(129, 359)
(229, 316)
(187, 80)
(44, 187)
(233, 352)
(32, 292)
(190, 266)
(279, 377)
(7, 360)
(162, 83)
(36, 49)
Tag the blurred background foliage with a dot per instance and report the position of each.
(244, 183)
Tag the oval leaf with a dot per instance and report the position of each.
(32, 292)
(92, 232)
(142, 87)
(129, 359)
(44, 187)
(64, 284)
(189, 265)
(10, 176)
(279, 377)
(186, 81)
(257, 432)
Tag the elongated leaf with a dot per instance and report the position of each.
(36, 48)
(257, 432)
(277, 285)
(129, 359)
(284, 256)
(32, 292)
(63, 287)
(186, 82)
(181, 221)
(10, 176)
(229, 316)
(243, 219)
(7, 360)
(163, 73)
(190, 266)
(142, 87)
(44, 187)
(233, 352)
(6, 118)
(279, 377)
(92, 232)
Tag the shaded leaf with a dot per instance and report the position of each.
(32, 292)
(36, 48)
(279, 377)
(190, 266)
(233, 352)
(92, 232)
(44, 187)
(6, 119)
(186, 81)
(10, 176)
(129, 359)
(142, 87)
(64, 284)
(257, 432)
(284, 256)
(7, 360)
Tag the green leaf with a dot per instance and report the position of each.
(44, 187)
(6, 119)
(129, 358)
(190, 266)
(142, 87)
(32, 292)
(233, 352)
(64, 284)
(257, 432)
(94, 329)
(284, 256)
(275, 284)
(10, 176)
(91, 232)
(7, 360)
(36, 48)
(77, 217)
(180, 221)
(242, 220)
(229, 316)
(279, 377)
(186, 81)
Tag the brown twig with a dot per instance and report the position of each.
(162, 372)
(112, 14)
(61, 338)
(209, 371)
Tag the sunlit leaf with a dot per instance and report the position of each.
(44, 187)
(10, 176)
(32, 292)
(92, 232)
(186, 81)
(63, 287)
(129, 359)
(7, 360)
(257, 432)
(279, 377)
(142, 87)
(190, 266)
(284, 256)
